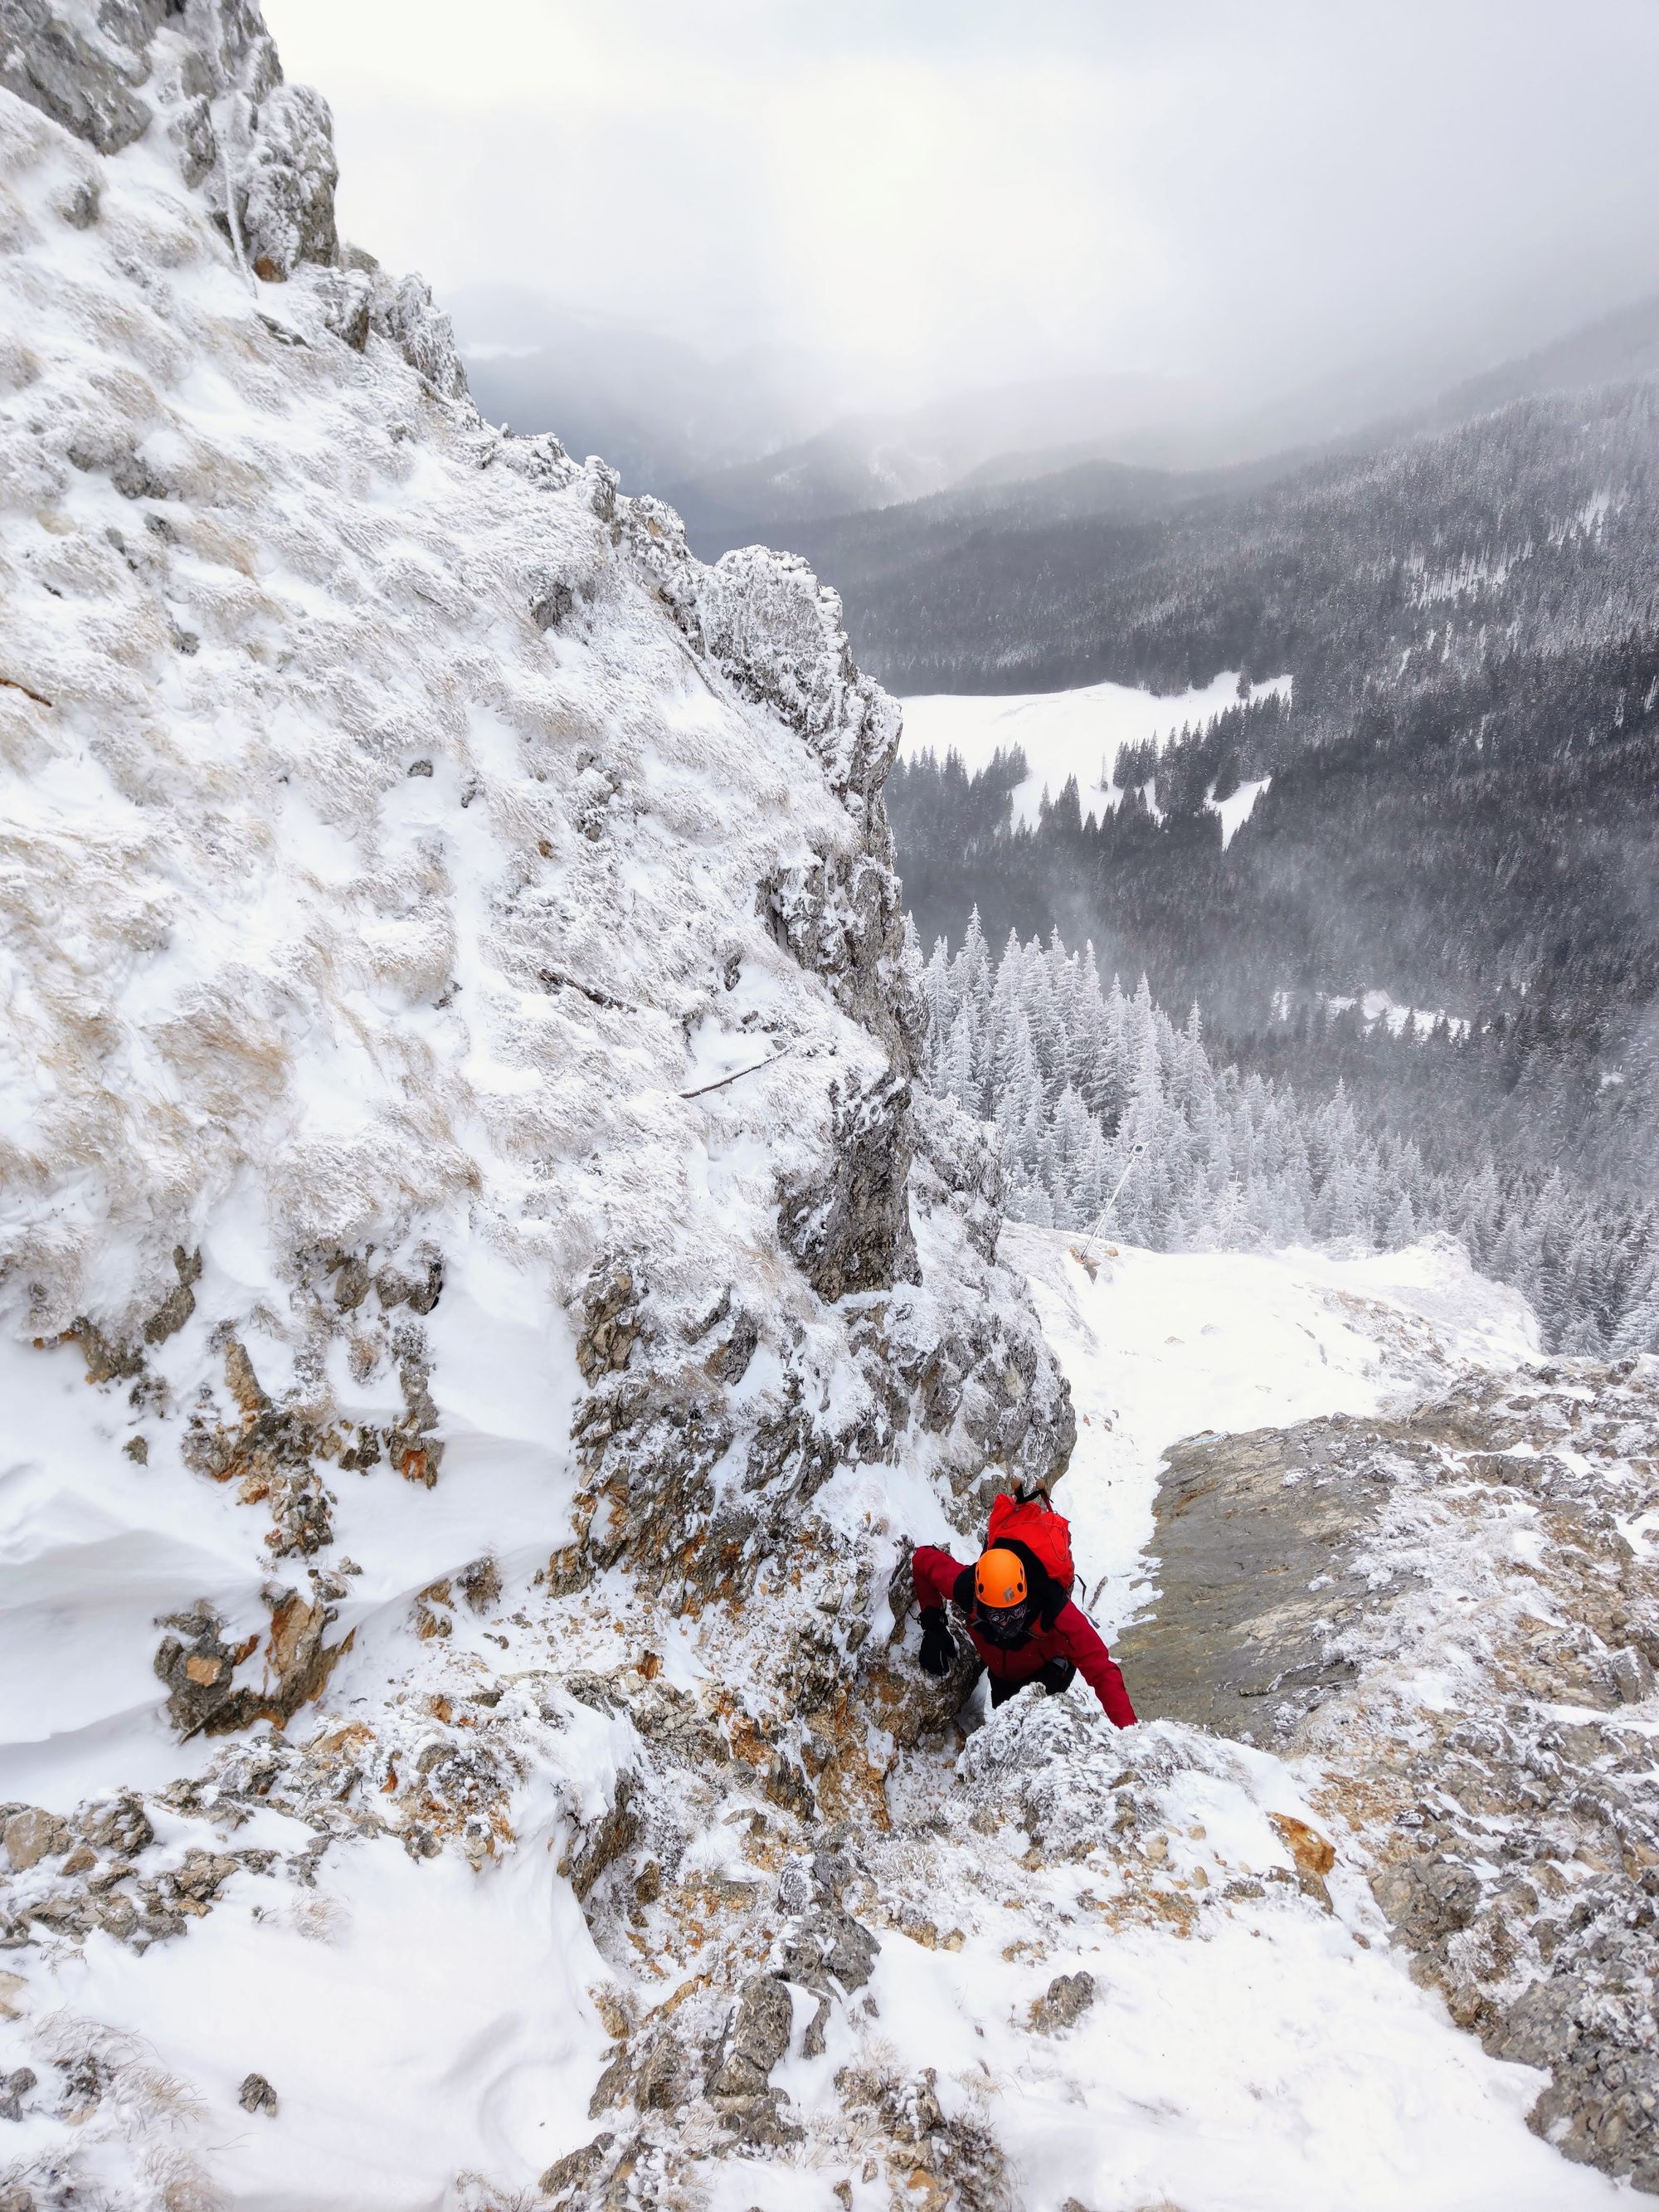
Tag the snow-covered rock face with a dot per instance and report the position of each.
(482, 1314)
(405, 840)
(465, 1238)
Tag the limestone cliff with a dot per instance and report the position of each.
(484, 1311)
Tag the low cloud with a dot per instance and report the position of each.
(932, 197)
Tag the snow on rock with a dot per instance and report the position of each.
(1413, 1560)
(485, 1318)
(457, 1442)
(1242, 2037)
(1159, 1347)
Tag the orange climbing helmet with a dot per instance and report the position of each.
(1000, 1579)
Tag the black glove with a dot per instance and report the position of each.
(938, 1646)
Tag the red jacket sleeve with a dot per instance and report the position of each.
(1095, 1664)
(934, 1575)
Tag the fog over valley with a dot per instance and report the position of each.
(829, 1106)
(1343, 212)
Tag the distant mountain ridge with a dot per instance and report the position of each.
(757, 447)
(881, 461)
(1169, 445)
(1615, 349)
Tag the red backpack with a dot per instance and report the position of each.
(1034, 1522)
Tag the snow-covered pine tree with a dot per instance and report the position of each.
(1075, 1074)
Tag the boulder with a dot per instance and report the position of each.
(1064, 2002)
(257, 2095)
(33, 1835)
(758, 2036)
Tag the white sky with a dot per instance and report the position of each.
(934, 193)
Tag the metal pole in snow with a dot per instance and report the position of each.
(1105, 1214)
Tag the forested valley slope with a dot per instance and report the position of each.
(1453, 784)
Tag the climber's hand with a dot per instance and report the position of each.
(938, 1646)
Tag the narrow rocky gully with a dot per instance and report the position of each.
(1391, 1596)
(490, 1307)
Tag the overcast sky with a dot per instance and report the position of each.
(930, 194)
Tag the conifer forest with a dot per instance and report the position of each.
(1414, 989)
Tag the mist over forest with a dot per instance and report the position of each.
(1452, 804)
(1440, 605)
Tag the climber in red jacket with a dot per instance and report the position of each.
(1018, 1610)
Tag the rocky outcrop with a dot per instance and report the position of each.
(475, 1125)
(209, 78)
(203, 80)
(199, 1667)
(86, 80)
(285, 188)
(756, 2037)
(1256, 1557)
(850, 1229)
(1307, 1580)
(776, 633)
(1063, 2003)
(611, 1321)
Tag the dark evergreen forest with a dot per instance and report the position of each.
(1391, 568)
(1463, 804)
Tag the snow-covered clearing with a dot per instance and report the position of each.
(1076, 733)
(1376, 1007)
(1236, 811)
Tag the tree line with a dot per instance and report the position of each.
(1088, 1087)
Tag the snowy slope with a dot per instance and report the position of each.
(1162, 1346)
(1479, 1603)
(378, 930)
(1242, 2047)
(484, 1316)
(1076, 733)
(1278, 2061)
(402, 840)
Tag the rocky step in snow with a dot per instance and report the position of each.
(1459, 1603)
(1431, 1583)
(1456, 1614)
